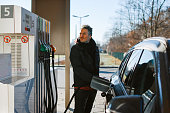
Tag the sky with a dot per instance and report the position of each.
(23, 3)
(102, 15)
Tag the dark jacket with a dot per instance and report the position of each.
(85, 60)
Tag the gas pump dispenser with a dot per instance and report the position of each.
(48, 100)
(25, 77)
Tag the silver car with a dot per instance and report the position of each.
(142, 82)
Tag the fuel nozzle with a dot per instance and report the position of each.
(43, 48)
(53, 48)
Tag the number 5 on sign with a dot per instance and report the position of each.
(7, 11)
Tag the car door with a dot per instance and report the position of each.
(126, 68)
(139, 78)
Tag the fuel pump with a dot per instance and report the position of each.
(25, 78)
(50, 87)
(18, 40)
(52, 50)
(52, 91)
(50, 98)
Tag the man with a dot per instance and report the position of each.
(84, 58)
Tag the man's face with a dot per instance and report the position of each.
(84, 36)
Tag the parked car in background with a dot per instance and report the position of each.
(142, 82)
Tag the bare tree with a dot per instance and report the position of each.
(150, 20)
(139, 20)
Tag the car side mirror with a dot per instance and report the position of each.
(100, 84)
(126, 104)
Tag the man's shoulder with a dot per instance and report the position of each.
(75, 46)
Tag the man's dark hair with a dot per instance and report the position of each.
(88, 28)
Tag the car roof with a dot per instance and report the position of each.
(158, 44)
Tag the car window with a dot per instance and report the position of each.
(144, 79)
(124, 63)
(144, 74)
(139, 77)
(127, 74)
